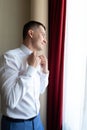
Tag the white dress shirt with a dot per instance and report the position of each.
(20, 84)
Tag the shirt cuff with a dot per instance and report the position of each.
(45, 75)
(31, 71)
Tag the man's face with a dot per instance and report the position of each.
(39, 38)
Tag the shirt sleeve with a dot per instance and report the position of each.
(43, 81)
(13, 85)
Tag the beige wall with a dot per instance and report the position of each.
(13, 15)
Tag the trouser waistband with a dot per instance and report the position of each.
(17, 120)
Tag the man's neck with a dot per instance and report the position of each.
(28, 44)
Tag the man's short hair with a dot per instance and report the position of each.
(30, 25)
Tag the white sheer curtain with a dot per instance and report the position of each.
(84, 120)
(75, 86)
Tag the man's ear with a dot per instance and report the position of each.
(30, 33)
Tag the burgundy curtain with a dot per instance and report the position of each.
(57, 13)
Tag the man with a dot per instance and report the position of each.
(23, 76)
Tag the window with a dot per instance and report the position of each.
(75, 66)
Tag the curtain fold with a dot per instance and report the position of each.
(57, 15)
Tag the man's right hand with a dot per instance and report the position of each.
(34, 60)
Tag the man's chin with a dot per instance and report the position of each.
(40, 49)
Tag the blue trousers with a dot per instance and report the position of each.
(34, 124)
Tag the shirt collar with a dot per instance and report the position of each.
(25, 49)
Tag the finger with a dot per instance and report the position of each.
(42, 56)
(35, 53)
